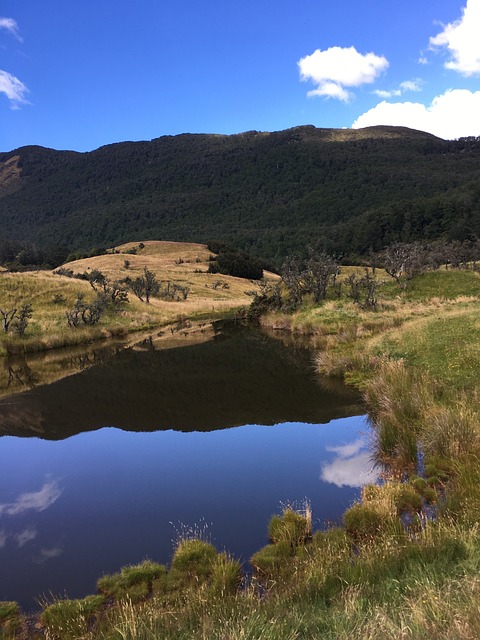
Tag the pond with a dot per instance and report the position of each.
(106, 466)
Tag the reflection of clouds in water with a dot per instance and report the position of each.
(33, 501)
(28, 534)
(48, 554)
(349, 449)
(352, 466)
(3, 539)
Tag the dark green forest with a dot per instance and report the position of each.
(271, 194)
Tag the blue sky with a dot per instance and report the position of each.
(78, 75)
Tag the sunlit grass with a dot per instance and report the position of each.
(210, 296)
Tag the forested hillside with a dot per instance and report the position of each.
(268, 193)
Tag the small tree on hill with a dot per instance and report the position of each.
(16, 318)
(144, 287)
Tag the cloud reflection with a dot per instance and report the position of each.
(27, 535)
(352, 466)
(48, 554)
(34, 500)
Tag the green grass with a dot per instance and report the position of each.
(446, 346)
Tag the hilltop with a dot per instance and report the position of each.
(268, 193)
(52, 293)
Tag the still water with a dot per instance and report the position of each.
(103, 467)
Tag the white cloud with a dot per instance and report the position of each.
(336, 68)
(462, 40)
(352, 466)
(13, 88)
(408, 85)
(33, 501)
(349, 449)
(10, 25)
(450, 115)
(350, 472)
(27, 535)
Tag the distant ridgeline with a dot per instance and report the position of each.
(270, 194)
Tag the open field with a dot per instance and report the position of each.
(209, 295)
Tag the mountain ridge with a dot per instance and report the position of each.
(270, 193)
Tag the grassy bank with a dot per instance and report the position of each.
(50, 295)
(406, 562)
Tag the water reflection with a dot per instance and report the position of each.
(38, 500)
(352, 466)
(239, 376)
(112, 496)
(73, 508)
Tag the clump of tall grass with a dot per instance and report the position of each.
(451, 431)
(292, 528)
(10, 619)
(226, 575)
(396, 398)
(193, 561)
(71, 619)
(134, 582)
(287, 532)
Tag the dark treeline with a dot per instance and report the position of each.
(18, 256)
(270, 194)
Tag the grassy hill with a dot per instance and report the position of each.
(268, 193)
(50, 294)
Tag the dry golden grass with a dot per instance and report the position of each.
(185, 264)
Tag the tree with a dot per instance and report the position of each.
(145, 286)
(113, 292)
(16, 318)
(404, 261)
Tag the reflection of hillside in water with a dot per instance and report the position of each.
(241, 376)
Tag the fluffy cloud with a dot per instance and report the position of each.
(450, 115)
(10, 25)
(351, 467)
(336, 68)
(462, 40)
